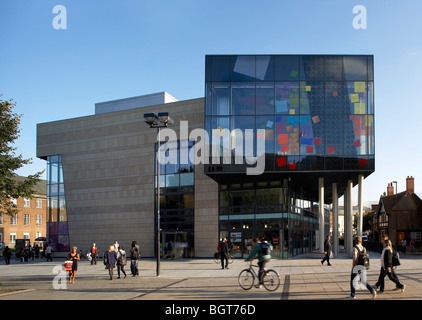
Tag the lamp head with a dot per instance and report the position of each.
(150, 118)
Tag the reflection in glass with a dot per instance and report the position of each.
(265, 68)
(220, 96)
(243, 68)
(355, 68)
(243, 98)
(265, 98)
(287, 98)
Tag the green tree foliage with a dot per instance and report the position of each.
(12, 186)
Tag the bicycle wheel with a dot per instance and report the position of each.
(246, 279)
(271, 280)
(231, 259)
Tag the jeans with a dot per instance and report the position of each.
(391, 275)
(261, 265)
(134, 267)
(359, 271)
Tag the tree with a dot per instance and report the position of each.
(12, 186)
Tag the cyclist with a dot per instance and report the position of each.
(263, 258)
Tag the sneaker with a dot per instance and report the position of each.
(402, 289)
(258, 286)
(350, 297)
(374, 294)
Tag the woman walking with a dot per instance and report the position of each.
(110, 258)
(74, 257)
(387, 268)
(94, 254)
(121, 261)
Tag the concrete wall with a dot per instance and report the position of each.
(108, 165)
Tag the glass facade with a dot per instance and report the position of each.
(177, 199)
(270, 210)
(57, 227)
(316, 112)
(315, 116)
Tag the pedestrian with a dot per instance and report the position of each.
(94, 254)
(74, 257)
(412, 246)
(169, 249)
(135, 254)
(327, 251)
(110, 259)
(48, 252)
(37, 251)
(121, 261)
(403, 245)
(263, 259)
(7, 253)
(224, 253)
(116, 246)
(31, 252)
(387, 268)
(358, 268)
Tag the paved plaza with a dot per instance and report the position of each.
(302, 278)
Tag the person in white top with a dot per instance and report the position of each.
(359, 269)
(121, 261)
(387, 268)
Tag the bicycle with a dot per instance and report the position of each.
(217, 258)
(270, 280)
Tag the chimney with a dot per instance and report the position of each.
(390, 189)
(410, 185)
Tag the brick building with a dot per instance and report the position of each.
(29, 222)
(399, 215)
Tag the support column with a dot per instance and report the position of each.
(335, 219)
(349, 219)
(360, 206)
(321, 214)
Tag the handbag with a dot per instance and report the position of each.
(68, 265)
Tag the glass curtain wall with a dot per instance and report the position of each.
(57, 226)
(265, 210)
(176, 199)
(317, 112)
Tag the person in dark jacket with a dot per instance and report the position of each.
(135, 254)
(224, 253)
(327, 251)
(7, 253)
(262, 257)
(110, 259)
(387, 268)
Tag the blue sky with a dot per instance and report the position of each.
(117, 49)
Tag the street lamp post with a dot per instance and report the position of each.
(395, 236)
(161, 121)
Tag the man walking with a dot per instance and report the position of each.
(327, 251)
(224, 253)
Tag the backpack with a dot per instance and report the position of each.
(363, 258)
(135, 253)
(266, 248)
(396, 258)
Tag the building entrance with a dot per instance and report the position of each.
(180, 243)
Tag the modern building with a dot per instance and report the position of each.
(30, 220)
(274, 137)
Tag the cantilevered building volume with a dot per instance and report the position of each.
(287, 134)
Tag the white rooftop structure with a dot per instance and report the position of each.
(134, 102)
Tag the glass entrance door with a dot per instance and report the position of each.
(177, 245)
